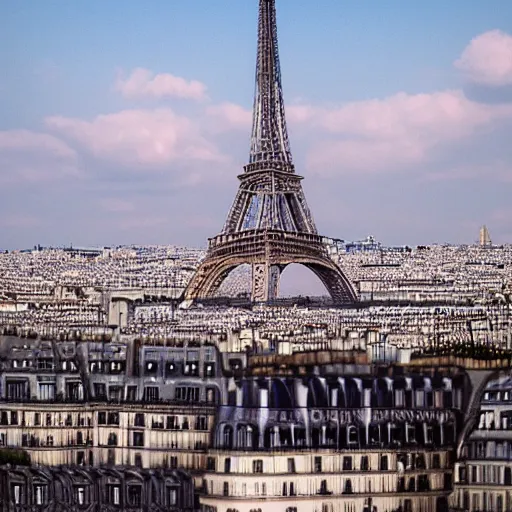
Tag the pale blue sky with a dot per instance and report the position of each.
(62, 58)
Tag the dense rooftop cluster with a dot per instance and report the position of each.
(449, 273)
(76, 293)
(39, 273)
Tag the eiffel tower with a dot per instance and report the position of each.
(269, 225)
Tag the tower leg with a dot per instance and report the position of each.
(259, 282)
(273, 282)
(265, 282)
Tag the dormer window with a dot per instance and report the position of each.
(80, 495)
(45, 364)
(191, 369)
(17, 494)
(41, 494)
(135, 495)
(151, 368)
(113, 494)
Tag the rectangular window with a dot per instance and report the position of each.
(172, 423)
(209, 369)
(138, 439)
(211, 395)
(365, 466)
(100, 391)
(384, 466)
(134, 495)
(191, 369)
(225, 489)
(291, 465)
(80, 495)
(257, 466)
(131, 393)
(318, 465)
(102, 418)
(151, 368)
(157, 422)
(114, 494)
(47, 391)
(17, 389)
(172, 496)
(17, 494)
(202, 423)
(227, 465)
(139, 420)
(187, 394)
(170, 368)
(347, 463)
(41, 494)
(14, 417)
(115, 393)
(45, 364)
(151, 394)
(113, 418)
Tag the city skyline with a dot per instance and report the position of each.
(137, 138)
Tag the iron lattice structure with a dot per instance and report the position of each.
(269, 225)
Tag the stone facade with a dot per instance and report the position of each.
(483, 474)
(71, 488)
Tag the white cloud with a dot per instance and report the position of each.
(377, 135)
(142, 83)
(148, 138)
(229, 116)
(392, 133)
(23, 140)
(487, 60)
(28, 157)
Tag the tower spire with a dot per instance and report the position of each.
(269, 142)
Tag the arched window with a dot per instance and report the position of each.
(228, 436)
(241, 436)
(280, 395)
(317, 393)
(353, 393)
